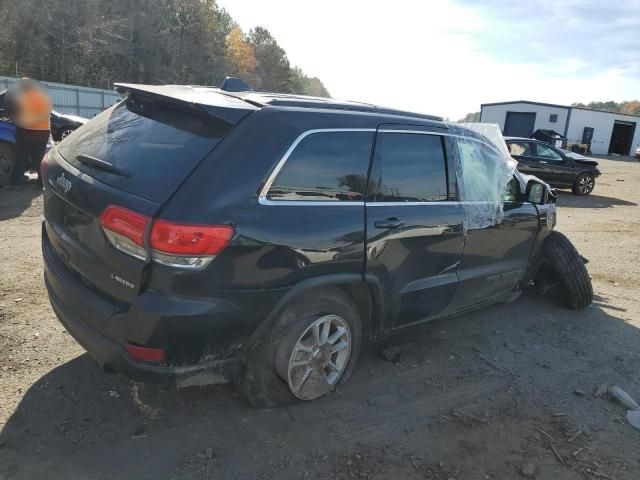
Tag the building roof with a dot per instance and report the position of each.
(568, 107)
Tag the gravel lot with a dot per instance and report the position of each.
(503, 393)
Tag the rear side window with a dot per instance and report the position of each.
(520, 148)
(329, 166)
(409, 167)
(155, 145)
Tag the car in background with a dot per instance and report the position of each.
(559, 168)
(637, 155)
(63, 124)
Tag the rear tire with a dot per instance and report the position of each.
(7, 162)
(561, 260)
(268, 379)
(584, 184)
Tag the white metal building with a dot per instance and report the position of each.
(606, 132)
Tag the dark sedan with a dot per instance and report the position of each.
(63, 124)
(554, 166)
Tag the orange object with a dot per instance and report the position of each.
(34, 110)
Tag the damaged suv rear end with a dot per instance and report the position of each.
(135, 292)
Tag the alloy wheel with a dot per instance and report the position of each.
(586, 184)
(66, 133)
(319, 357)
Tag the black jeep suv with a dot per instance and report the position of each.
(196, 235)
(556, 167)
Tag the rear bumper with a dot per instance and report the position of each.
(114, 358)
(174, 324)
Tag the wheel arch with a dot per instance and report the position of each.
(366, 293)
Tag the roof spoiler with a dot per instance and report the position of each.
(233, 84)
(208, 100)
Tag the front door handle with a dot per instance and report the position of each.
(389, 223)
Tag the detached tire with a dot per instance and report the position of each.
(316, 339)
(584, 184)
(561, 259)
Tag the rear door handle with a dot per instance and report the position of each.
(389, 223)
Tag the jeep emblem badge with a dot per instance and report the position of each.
(63, 183)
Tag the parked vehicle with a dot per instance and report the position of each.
(637, 154)
(555, 167)
(196, 235)
(63, 125)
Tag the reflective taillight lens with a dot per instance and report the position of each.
(146, 354)
(173, 244)
(182, 239)
(125, 229)
(185, 245)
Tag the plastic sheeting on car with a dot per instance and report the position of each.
(484, 169)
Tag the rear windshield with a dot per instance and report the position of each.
(153, 144)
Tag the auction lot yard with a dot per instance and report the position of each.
(497, 394)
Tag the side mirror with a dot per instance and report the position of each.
(536, 192)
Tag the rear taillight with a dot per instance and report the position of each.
(125, 230)
(146, 354)
(173, 244)
(185, 245)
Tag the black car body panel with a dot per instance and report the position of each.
(410, 259)
(62, 124)
(556, 168)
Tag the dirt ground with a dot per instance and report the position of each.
(503, 393)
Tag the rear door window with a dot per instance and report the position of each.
(520, 149)
(154, 144)
(548, 153)
(325, 166)
(409, 167)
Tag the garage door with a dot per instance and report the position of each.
(519, 124)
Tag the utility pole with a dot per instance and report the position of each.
(17, 70)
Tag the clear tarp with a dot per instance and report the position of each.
(484, 170)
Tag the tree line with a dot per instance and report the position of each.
(630, 108)
(98, 42)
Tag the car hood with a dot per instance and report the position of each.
(579, 158)
(585, 162)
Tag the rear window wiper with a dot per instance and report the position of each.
(101, 165)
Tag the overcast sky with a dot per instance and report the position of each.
(446, 57)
